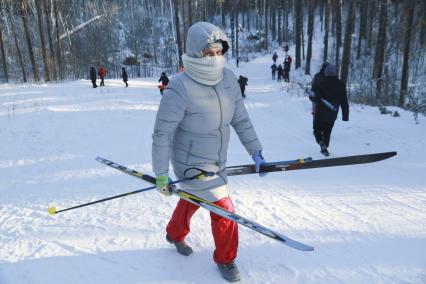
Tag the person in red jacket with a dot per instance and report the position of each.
(102, 73)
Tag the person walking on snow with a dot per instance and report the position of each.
(318, 79)
(192, 127)
(164, 82)
(280, 72)
(93, 76)
(274, 70)
(102, 73)
(287, 66)
(329, 95)
(242, 81)
(124, 76)
(275, 57)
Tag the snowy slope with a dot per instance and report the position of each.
(366, 222)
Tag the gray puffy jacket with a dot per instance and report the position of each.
(192, 128)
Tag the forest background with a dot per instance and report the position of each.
(378, 46)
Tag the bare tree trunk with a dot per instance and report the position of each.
(47, 11)
(235, 10)
(422, 35)
(248, 20)
(42, 46)
(190, 12)
(178, 38)
(18, 51)
(409, 11)
(3, 54)
(23, 7)
(380, 49)
(362, 26)
(265, 11)
(333, 17)
(184, 24)
(371, 17)
(302, 33)
(257, 14)
(338, 34)
(321, 12)
(273, 15)
(346, 58)
(58, 41)
(298, 16)
(286, 12)
(244, 19)
(222, 14)
(326, 29)
(310, 35)
(280, 16)
(232, 16)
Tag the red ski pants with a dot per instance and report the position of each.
(225, 232)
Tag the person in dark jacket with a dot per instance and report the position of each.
(124, 76)
(93, 76)
(328, 96)
(243, 83)
(287, 65)
(280, 72)
(318, 79)
(164, 82)
(274, 70)
(275, 57)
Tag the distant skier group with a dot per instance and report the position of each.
(282, 73)
(102, 74)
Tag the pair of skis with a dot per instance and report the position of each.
(307, 163)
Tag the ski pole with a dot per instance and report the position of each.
(52, 210)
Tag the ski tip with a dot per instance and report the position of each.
(300, 246)
(308, 248)
(52, 210)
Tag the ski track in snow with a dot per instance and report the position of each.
(366, 222)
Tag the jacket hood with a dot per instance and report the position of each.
(201, 35)
(330, 71)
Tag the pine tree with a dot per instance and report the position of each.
(408, 12)
(346, 58)
(380, 49)
(23, 11)
(42, 42)
(310, 35)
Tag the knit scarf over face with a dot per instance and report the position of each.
(205, 70)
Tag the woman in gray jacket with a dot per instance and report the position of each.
(192, 128)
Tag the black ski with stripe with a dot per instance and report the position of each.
(308, 163)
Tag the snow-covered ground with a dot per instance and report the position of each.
(366, 222)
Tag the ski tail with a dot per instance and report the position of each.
(126, 170)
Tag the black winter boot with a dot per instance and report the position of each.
(324, 150)
(229, 271)
(181, 247)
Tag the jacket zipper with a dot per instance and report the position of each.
(220, 124)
